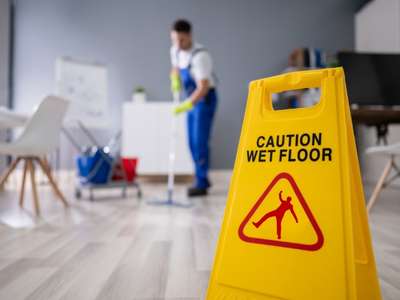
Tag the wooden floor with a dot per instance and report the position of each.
(117, 248)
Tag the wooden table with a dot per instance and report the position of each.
(380, 117)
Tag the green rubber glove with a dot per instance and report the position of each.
(175, 82)
(183, 107)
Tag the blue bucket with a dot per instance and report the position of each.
(94, 168)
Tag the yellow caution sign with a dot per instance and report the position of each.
(295, 225)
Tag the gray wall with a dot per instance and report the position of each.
(248, 40)
(4, 62)
(4, 49)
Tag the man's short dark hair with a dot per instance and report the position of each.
(182, 25)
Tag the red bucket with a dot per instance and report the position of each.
(129, 165)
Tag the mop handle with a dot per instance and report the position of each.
(172, 148)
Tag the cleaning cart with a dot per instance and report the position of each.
(102, 168)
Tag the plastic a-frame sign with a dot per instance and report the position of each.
(295, 225)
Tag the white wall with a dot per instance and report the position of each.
(377, 29)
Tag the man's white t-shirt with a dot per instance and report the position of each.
(201, 63)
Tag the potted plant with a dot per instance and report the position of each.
(139, 95)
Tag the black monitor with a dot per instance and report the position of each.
(372, 79)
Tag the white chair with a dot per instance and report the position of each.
(391, 152)
(39, 138)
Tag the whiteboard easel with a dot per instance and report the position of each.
(86, 86)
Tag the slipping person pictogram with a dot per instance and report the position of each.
(278, 213)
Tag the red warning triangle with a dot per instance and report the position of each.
(286, 207)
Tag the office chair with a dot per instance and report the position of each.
(39, 138)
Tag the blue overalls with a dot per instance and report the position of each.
(199, 123)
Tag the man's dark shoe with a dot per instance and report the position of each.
(194, 192)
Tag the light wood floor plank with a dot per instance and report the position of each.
(15, 270)
(184, 280)
(26, 283)
(88, 282)
(58, 284)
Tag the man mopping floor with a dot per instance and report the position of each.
(193, 68)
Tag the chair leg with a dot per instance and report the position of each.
(21, 195)
(8, 172)
(31, 168)
(46, 170)
(46, 163)
(379, 185)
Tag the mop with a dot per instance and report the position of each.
(171, 165)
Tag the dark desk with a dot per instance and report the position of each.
(380, 117)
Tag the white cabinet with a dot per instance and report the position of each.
(146, 134)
